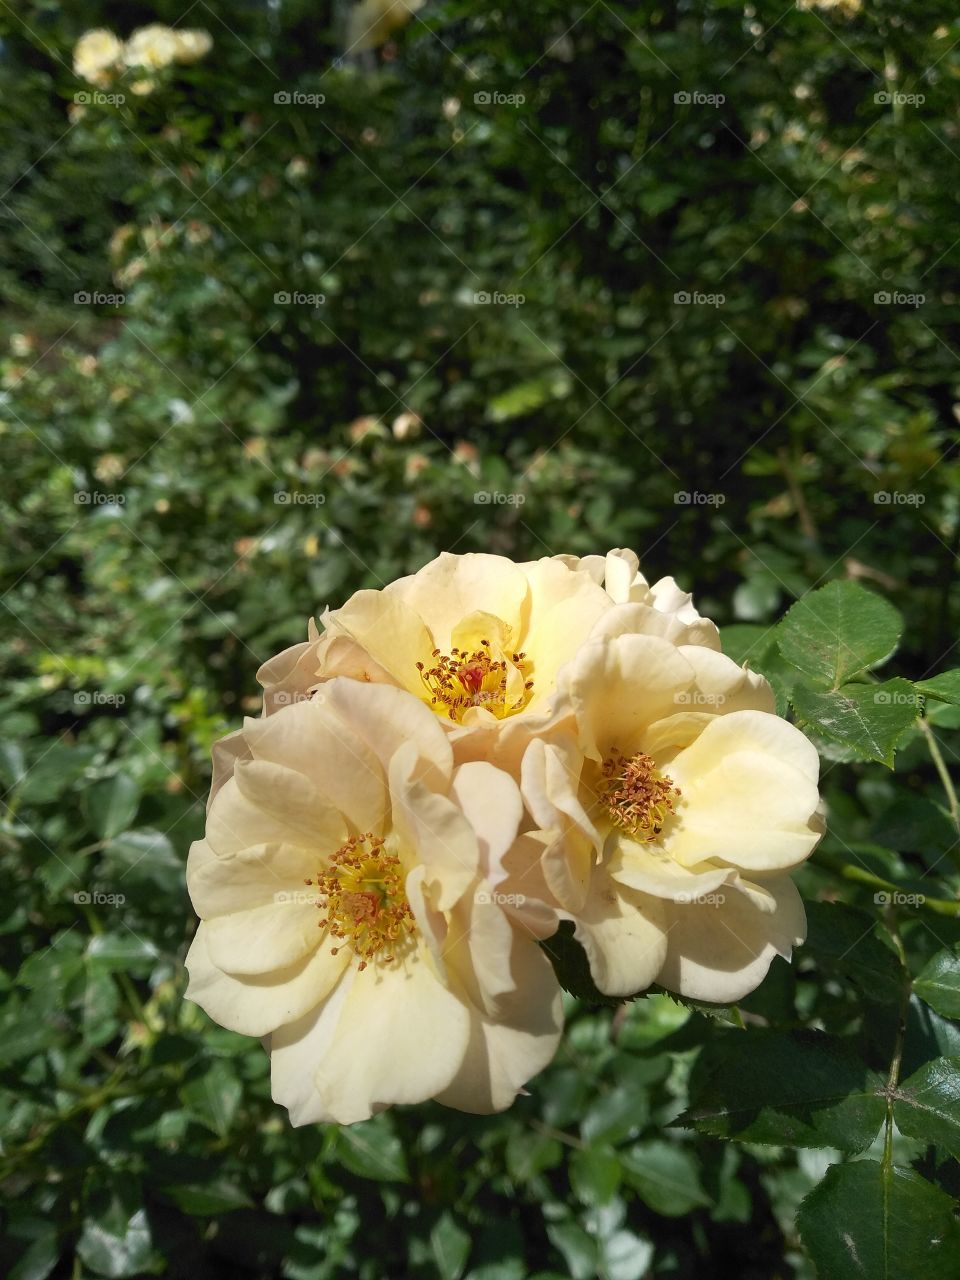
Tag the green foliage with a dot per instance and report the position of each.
(193, 471)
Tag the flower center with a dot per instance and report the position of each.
(459, 680)
(363, 901)
(637, 795)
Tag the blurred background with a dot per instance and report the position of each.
(282, 319)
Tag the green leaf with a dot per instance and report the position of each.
(666, 1176)
(529, 1153)
(101, 1000)
(867, 718)
(595, 1175)
(117, 1246)
(22, 1034)
(123, 952)
(839, 631)
(943, 688)
(626, 1256)
(55, 965)
(939, 983)
(802, 1089)
(927, 1105)
(111, 805)
(450, 1246)
(42, 1250)
(527, 396)
(579, 1250)
(207, 1198)
(864, 1222)
(846, 942)
(213, 1098)
(619, 1113)
(373, 1150)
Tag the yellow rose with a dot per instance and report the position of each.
(192, 45)
(477, 638)
(96, 56)
(348, 892)
(678, 804)
(372, 22)
(153, 46)
(619, 572)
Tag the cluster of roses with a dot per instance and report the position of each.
(99, 56)
(458, 763)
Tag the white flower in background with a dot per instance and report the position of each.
(347, 889)
(192, 44)
(678, 806)
(371, 23)
(154, 46)
(97, 56)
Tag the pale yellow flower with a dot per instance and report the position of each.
(154, 46)
(192, 44)
(372, 22)
(619, 572)
(348, 890)
(476, 637)
(678, 806)
(97, 56)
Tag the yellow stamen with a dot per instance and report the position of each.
(637, 795)
(459, 680)
(364, 905)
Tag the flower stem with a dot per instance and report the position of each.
(937, 756)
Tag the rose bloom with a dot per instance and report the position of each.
(192, 44)
(153, 46)
(96, 55)
(480, 640)
(679, 802)
(347, 887)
